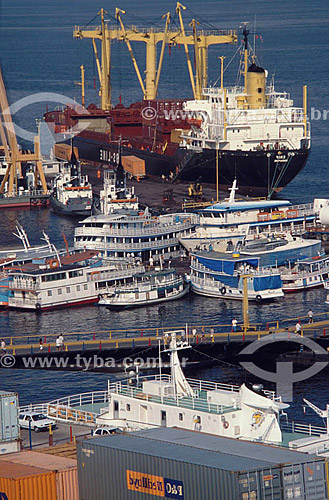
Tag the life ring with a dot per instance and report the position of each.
(223, 290)
(258, 299)
(238, 214)
(53, 263)
(226, 424)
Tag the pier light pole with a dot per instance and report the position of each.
(245, 304)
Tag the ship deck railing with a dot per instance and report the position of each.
(196, 402)
(101, 245)
(260, 271)
(306, 429)
(79, 408)
(124, 272)
(121, 232)
(144, 286)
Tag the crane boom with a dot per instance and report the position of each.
(151, 37)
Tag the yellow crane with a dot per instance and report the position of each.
(199, 39)
(13, 156)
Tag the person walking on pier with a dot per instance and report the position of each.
(2, 347)
(310, 316)
(234, 324)
(298, 327)
(40, 345)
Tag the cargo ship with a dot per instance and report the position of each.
(249, 132)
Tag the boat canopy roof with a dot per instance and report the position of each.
(224, 263)
(240, 206)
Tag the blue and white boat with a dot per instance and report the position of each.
(221, 275)
(237, 220)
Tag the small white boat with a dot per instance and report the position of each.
(145, 289)
(305, 274)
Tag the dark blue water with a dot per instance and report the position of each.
(38, 54)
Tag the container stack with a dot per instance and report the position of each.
(29, 475)
(9, 428)
(181, 464)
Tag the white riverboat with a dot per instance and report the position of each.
(66, 285)
(172, 400)
(147, 288)
(144, 236)
(237, 220)
(215, 274)
(305, 274)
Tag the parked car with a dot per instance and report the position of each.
(105, 431)
(39, 422)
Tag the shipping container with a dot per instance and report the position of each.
(180, 464)
(133, 166)
(64, 152)
(9, 428)
(23, 482)
(64, 468)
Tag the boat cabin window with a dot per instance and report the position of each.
(75, 273)
(50, 293)
(53, 277)
(180, 417)
(128, 407)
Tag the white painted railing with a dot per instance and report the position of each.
(68, 409)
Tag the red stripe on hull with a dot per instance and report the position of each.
(60, 306)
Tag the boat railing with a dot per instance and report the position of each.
(144, 286)
(125, 245)
(237, 273)
(123, 272)
(198, 386)
(189, 402)
(70, 408)
(308, 429)
(24, 283)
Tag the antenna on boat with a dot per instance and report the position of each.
(21, 234)
(232, 191)
(180, 384)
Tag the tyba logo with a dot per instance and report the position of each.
(284, 377)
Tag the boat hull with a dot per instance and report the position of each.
(77, 208)
(150, 302)
(257, 172)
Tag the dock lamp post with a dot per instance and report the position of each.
(245, 304)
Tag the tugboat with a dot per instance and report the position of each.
(71, 193)
(115, 195)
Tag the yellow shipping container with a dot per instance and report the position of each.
(64, 152)
(134, 166)
(64, 468)
(23, 482)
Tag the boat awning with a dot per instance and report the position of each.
(225, 265)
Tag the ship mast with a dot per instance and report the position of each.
(245, 44)
(197, 38)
